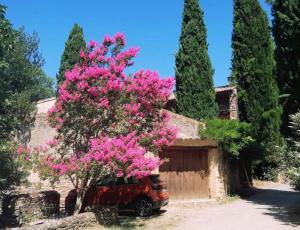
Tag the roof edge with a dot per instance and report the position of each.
(183, 117)
(194, 143)
(46, 100)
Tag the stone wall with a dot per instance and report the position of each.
(63, 186)
(40, 134)
(79, 221)
(224, 178)
(27, 207)
(233, 104)
(102, 215)
(227, 100)
(217, 174)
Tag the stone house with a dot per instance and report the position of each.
(195, 167)
(226, 98)
(229, 171)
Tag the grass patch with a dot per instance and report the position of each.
(230, 198)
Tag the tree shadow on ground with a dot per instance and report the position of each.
(128, 219)
(280, 204)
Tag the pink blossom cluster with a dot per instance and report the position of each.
(149, 88)
(122, 154)
(23, 152)
(110, 112)
(52, 142)
(22, 149)
(62, 167)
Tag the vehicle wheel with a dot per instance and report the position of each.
(144, 207)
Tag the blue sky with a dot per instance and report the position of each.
(152, 25)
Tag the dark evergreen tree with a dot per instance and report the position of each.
(194, 74)
(286, 32)
(253, 71)
(70, 56)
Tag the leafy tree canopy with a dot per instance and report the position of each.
(22, 82)
(233, 136)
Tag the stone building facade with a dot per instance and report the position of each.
(227, 100)
(199, 161)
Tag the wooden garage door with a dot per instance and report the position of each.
(186, 173)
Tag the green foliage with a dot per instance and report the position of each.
(270, 173)
(11, 173)
(43, 87)
(252, 70)
(39, 85)
(22, 82)
(194, 74)
(286, 32)
(70, 56)
(292, 152)
(294, 175)
(232, 135)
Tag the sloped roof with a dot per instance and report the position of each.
(44, 105)
(188, 128)
(219, 89)
(225, 88)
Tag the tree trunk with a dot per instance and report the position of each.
(81, 194)
(79, 201)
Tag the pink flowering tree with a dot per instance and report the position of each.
(107, 120)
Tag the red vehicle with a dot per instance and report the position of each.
(142, 195)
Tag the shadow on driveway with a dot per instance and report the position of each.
(281, 203)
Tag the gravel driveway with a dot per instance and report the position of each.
(276, 207)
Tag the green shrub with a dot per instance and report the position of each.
(270, 173)
(292, 153)
(294, 176)
(232, 135)
(12, 172)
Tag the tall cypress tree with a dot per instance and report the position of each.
(253, 71)
(70, 56)
(194, 84)
(286, 31)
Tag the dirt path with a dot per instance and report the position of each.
(276, 207)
